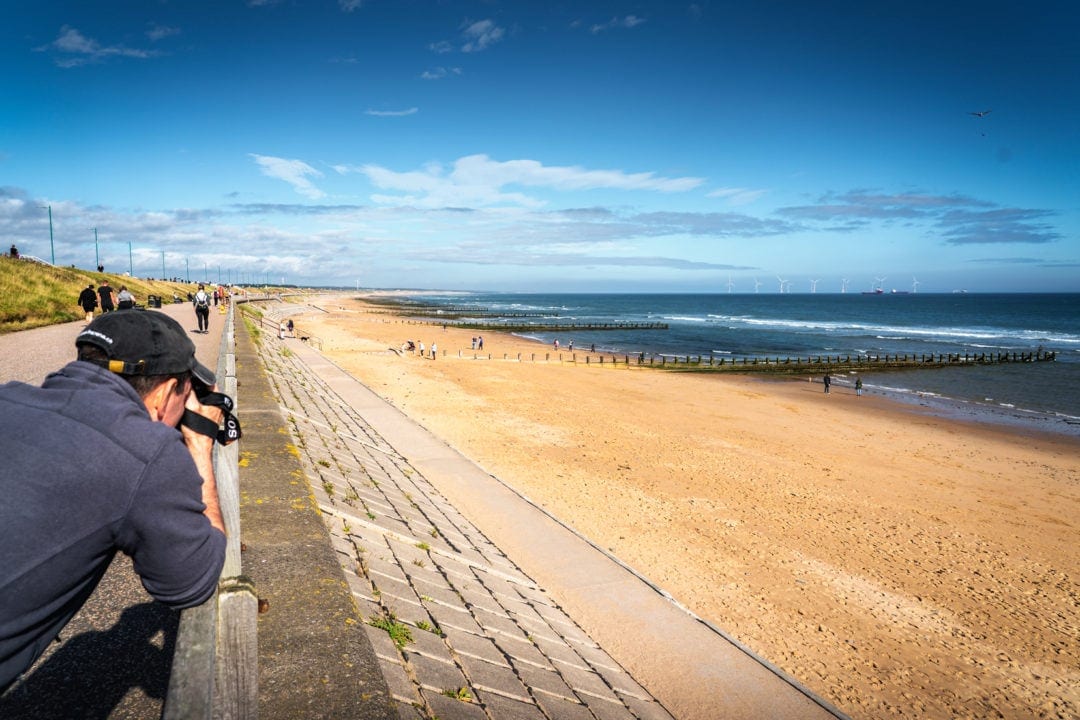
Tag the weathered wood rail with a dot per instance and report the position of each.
(215, 672)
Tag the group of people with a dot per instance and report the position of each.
(90, 299)
(826, 380)
(418, 348)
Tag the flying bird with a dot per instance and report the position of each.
(984, 113)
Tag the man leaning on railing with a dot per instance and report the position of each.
(112, 452)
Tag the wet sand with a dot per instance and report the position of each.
(896, 563)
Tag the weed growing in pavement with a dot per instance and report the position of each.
(399, 632)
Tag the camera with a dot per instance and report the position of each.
(208, 396)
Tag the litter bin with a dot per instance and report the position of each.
(153, 301)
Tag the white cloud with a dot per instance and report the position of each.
(477, 180)
(392, 113)
(75, 49)
(439, 73)
(630, 21)
(294, 172)
(160, 32)
(480, 35)
(737, 196)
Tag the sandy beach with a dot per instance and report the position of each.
(897, 564)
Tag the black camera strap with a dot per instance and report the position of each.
(205, 426)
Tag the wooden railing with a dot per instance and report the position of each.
(215, 664)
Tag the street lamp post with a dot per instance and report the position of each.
(97, 255)
(131, 263)
(187, 271)
(52, 249)
(162, 264)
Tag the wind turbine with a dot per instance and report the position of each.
(915, 285)
(813, 285)
(756, 285)
(729, 284)
(843, 285)
(782, 281)
(880, 283)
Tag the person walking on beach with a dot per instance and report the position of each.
(858, 386)
(75, 490)
(201, 301)
(434, 350)
(421, 348)
(88, 301)
(106, 297)
(827, 381)
(479, 342)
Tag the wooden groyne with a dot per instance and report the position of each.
(536, 326)
(774, 365)
(824, 363)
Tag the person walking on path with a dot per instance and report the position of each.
(74, 490)
(106, 294)
(88, 301)
(827, 380)
(124, 299)
(201, 301)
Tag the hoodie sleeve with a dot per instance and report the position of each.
(176, 552)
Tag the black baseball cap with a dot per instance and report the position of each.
(144, 342)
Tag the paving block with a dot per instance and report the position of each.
(493, 622)
(381, 642)
(562, 709)
(448, 708)
(523, 652)
(494, 678)
(544, 680)
(434, 674)
(586, 681)
(452, 620)
(558, 651)
(402, 687)
(508, 709)
(478, 647)
(646, 708)
(428, 643)
(605, 710)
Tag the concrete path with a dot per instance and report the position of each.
(495, 597)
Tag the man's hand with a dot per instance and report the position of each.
(201, 448)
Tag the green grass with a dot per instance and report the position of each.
(35, 295)
(399, 632)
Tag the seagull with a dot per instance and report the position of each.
(984, 113)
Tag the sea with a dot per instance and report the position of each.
(1041, 395)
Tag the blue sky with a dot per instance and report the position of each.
(549, 146)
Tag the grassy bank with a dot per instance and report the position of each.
(33, 295)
